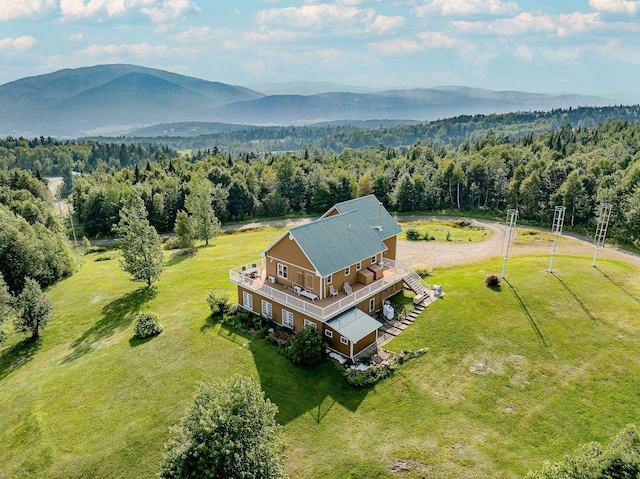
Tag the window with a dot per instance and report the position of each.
(373, 260)
(283, 271)
(266, 309)
(344, 340)
(247, 300)
(358, 265)
(372, 304)
(329, 279)
(328, 333)
(347, 271)
(287, 319)
(310, 323)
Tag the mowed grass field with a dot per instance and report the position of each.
(438, 229)
(512, 377)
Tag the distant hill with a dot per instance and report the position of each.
(416, 104)
(116, 99)
(306, 88)
(106, 98)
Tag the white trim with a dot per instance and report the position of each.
(372, 304)
(343, 340)
(316, 272)
(282, 271)
(358, 265)
(328, 333)
(347, 271)
(278, 260)
(308, 322)
(289, 315)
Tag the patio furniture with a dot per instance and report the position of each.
(347, 288)
(333, 291)
(308, 294)
(251, 272)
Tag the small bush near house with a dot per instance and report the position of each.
(377, 372)
(147, 325)
(422, 269)
(306, 347)
(428, 237)
(413, 235)
(218, 302)
(492, 281)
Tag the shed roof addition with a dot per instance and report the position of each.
(354, 324)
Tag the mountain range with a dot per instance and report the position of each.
(117, 99)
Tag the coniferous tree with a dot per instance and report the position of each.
(34, 309)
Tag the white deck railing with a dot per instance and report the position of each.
(237, 276)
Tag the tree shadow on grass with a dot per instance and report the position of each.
(18, 355)
(116, 316)
(179, 258)
(620, 287)
(537, 327)
(578, 300)
(135, 341)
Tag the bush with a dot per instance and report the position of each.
(377, 372)
(218, 302)
(413, 235)
(422, 269)
(448, 235)
(428, 237)
(173, 243)
(306, 347)
(492, 281)
(147, 325)
(106, 257)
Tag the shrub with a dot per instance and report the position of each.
(492, 281)
(448, 235)
(147, 325)
(377, 372)
(428, 237)
(422, 269)
(306, 347)
(173, 243)
(218, 302)
(106, 257)
(413, 235)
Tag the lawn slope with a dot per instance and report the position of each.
(512, 377)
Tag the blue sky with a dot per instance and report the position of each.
(590, 46)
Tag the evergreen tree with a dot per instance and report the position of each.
(34, 309)
(185, 229)
(140, 245)
(6, 308)
(199, 203)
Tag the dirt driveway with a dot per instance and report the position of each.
(437, 254)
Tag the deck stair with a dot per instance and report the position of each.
(416, 284)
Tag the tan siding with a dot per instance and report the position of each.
(364, 342)
(332, 212)
(288, 252)
(391, 244)
(334, 343)
(379, 298)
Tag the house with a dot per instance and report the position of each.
(332, 274)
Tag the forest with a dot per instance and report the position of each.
(579, 168)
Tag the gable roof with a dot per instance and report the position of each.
(333, 243)
(354, 324)
(372, 210)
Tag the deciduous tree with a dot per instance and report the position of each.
(199, 204)
(34, 309)
(229, 432)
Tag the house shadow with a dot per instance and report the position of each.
(577, 299)
(116, 316)
(297, 391)
(542, 336)
(18, 355)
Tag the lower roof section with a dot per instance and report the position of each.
(354, 324)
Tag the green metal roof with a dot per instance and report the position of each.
(354, 324)
(333, 243)
(371, 209)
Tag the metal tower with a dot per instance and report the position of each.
(512, 217)
(601, 229)
(556, 229)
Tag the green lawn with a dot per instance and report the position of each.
(512, 377)
(438, 229)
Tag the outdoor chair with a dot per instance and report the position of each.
(333, 291)
(347, 288)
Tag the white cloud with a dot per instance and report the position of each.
(466, 7)
(10, 9)
(76, 37)
(526, 23)
(615, 6)
(142, 50)
(383, 24)
(170, 10)
(19, 43)
(406, 46)
(317, 17)
(158, 12)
